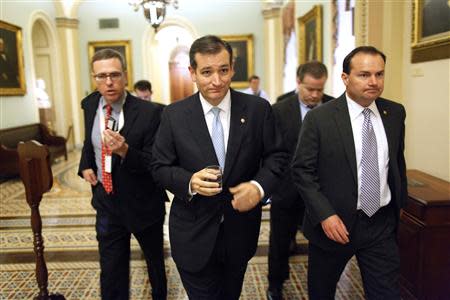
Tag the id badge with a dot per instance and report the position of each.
(108, 163)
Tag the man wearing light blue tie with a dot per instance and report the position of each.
(214, 230)
(349, 168)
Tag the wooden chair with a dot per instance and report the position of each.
(36, 174)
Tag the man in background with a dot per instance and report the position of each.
(214, 226)
(143, 90)
(254, 88)
(287, 208)
(116, 161)
(349, 168)
(282, 97)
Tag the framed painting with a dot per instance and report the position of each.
(430, 30)
(242, 46)
(123, 47)
(310, 35)
(12, 77)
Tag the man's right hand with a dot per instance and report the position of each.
(89, 176)
(335, 229)
(203, 183)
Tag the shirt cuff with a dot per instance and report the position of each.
(261, 190)
(190, 191)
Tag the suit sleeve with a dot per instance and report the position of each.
(305, 171)
(274, 158)
(87, 160)
(138, 160)
(402, 162)
(166, 170)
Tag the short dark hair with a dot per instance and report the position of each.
(346, 64)
(208, 44)
(314, 68)
(108, 53)
(253, 77)
(143, 85)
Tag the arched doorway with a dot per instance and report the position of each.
(180, 79)
(44, 89)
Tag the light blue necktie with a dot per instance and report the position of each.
(370, 175)
(217, 137)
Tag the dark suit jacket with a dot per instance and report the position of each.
(289, 121)
(324, 166)
(183, 146)
(287, 95)
(140, 200)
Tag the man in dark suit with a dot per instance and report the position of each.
(287, 207)
(214, 227)
(350, 170)
(116, 161)
(287, 95)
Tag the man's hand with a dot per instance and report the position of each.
(89, 176)
(203, 183)
(245, 196)
(116, 142)
(335, 229)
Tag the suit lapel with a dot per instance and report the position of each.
(238, 123)
(388, 124)
(91, 111)
(296, 117)
(344, 126)
(197, 125)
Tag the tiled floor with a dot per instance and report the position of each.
(71, 248)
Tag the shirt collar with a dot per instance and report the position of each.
(355, 109)
(303, 105)
(224, 105)
(117, 105)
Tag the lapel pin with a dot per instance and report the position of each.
(384, 112)
(242, 120)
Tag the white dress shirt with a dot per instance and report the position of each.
(357, 118)
(225, 116)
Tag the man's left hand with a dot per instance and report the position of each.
(115, 142)
(245, 196)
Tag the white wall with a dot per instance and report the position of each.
(427, 103)
(214, 17)
(21, 110)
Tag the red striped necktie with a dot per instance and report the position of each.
(106, 177)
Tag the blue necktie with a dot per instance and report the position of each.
(370, 176)
(217, 137)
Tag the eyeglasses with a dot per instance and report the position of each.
(102, 77)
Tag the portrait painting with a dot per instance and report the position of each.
(242, 46)
(12, 78)
(431, 30)
(310, 35)
(123, 47)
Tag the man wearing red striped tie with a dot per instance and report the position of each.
(115, 160)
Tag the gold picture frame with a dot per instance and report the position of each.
(12, 74)
(310, 35)
(124, 47)
(242, 46)
(430, 31)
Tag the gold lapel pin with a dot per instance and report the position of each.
(242, 120)
(384, 112)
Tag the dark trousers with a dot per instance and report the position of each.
(283, 228)
(373, 242)
(114, 248)
(218, 280)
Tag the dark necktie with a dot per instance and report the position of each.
(370, 175)
(106, 177)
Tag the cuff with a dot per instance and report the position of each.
(261, 190)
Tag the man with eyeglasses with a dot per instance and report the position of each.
(115, 160)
